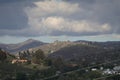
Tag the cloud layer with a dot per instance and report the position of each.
(57, 17)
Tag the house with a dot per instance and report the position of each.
(19, 61)
(108, 71)
(94, 69)
(116, 68)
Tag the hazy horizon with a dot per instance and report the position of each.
(45, 40)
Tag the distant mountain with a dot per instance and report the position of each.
(76, 51)
(108, 44)
(13, 48)
(89, 52)
(58, 45)
(53, 47)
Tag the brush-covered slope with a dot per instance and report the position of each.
(87, 52)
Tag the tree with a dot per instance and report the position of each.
(28, 53)
(38, 57)
(20, 55)
(3, 55)
(48, 62)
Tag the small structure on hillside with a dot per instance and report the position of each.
(94, 69)
(19, 61)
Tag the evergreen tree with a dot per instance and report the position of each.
(3, 55)
(28, 53)
(38, 57)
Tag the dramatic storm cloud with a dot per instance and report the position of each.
(59, 17)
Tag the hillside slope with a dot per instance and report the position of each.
(89, 53)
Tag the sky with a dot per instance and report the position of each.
(50, 20)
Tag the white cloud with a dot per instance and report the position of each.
(48, 18)
(51, 7)
(52, 24)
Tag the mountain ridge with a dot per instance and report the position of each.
(13, 48)
(48, 48)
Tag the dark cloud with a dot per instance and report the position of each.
(13, 1)
(13, 16)
(9, 1)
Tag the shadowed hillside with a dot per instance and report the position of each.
(89, 53)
